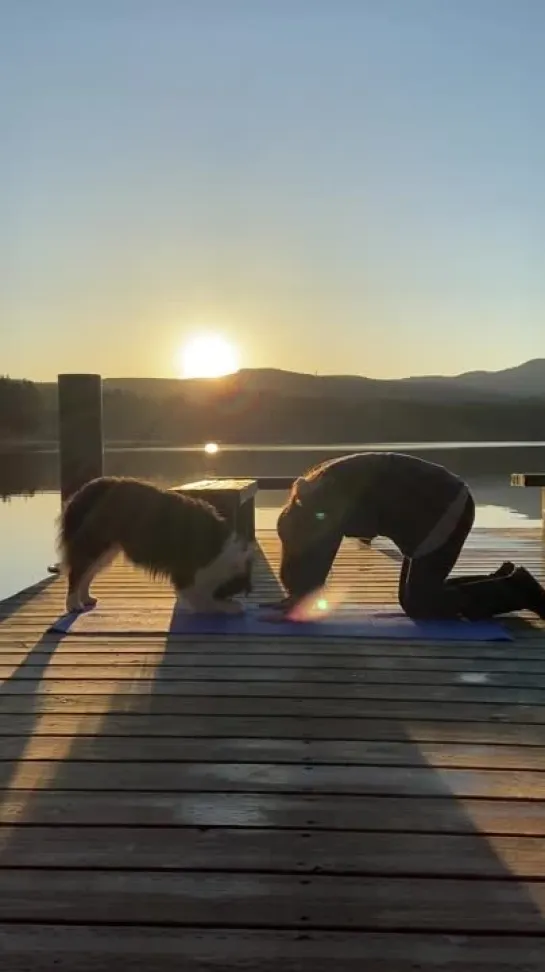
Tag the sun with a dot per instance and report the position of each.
(208, 356)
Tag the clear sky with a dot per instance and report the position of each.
(332, 185)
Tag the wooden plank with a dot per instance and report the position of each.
(524, 627)
(273, 901)
(334, 667)
(178, 675)
(436, 815)
(40, 644)
(89, 948)
(157, 726)
(180, 689)
(252, 850)
(31, 633)
(381, 785)
(290, 751)
(106, 704)
(280, 778)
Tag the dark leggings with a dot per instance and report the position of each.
(425, 589)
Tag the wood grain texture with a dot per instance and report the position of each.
(234, 804)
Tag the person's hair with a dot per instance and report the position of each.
(311, 518)
(316, 495)
(308, 479)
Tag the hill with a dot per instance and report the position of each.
(523, 381)
(275, 406)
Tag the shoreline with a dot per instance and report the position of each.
(51, 446)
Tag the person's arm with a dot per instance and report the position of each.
(305, 572)
(310, 538)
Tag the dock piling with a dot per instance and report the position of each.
(81, 443)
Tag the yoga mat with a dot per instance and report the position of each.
(351, 622)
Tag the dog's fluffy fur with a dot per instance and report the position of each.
(167, 533)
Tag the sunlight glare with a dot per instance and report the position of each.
(320, 604)
(208, 356)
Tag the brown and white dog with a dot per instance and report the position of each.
(168, 534)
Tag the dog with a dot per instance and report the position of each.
(168, 534)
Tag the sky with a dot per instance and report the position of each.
(333, 186)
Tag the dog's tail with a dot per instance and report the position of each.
(80, 509)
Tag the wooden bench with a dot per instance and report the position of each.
(233, 498)
(532, 481)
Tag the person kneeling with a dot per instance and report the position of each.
(423, 508)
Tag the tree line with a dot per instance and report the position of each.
(21, 408)
(29, 411)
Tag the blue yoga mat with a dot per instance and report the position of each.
(354, 623)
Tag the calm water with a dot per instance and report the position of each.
(29, 498)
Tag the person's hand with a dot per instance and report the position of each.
(277, 611)
(281, 604)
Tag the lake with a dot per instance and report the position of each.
(29, 487)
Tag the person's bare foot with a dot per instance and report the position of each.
(73, 604)
(534, 592)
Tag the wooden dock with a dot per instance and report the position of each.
(279, 805)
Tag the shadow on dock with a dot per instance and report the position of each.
(291, 790)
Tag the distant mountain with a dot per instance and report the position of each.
(523, 381)
(273, 406)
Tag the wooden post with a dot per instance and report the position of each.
(529, 481)
(233, 498)
(80, 431)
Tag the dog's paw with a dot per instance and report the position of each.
(73, 606)
(89, 602)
